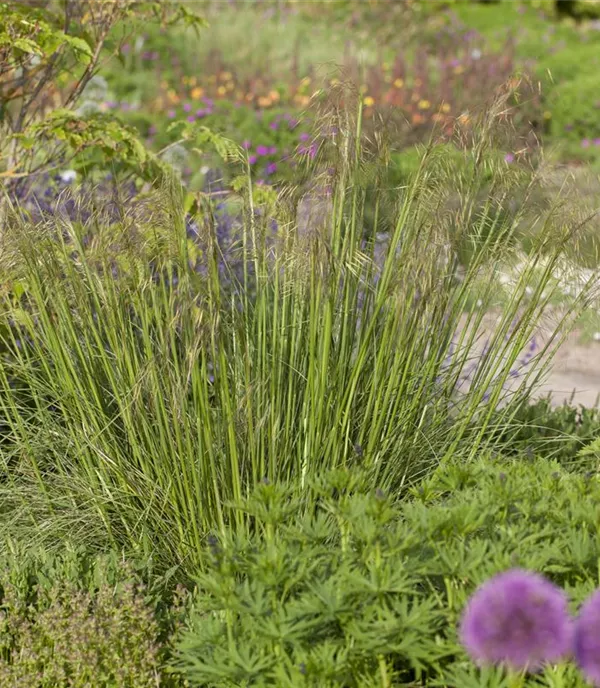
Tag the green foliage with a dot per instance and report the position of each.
(563, 433)
(342, 587)
(574, 109)
(49, 55)
(320, 600)
(78, 620)
(571, 63)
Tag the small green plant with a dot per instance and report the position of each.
(78, 620)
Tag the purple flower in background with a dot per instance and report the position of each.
(587, 639)
(191, 118)
(304, 136)
(274, 126)
(246, 145)
(272, 150)
(171, 114)
(252, 159)
(271, 168)
(152, 130)
(517, 618)
(125, 48)
(262, 150)
(585, 143)
(596, 142)
(187, 107)
(509, 157)
(200, 113)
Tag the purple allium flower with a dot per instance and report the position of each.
(596, 142)
(187, 107)
(200, 113)
(171, 114)
(304, 136)
(246, 145)
(252, 159)
(585, 143)
(271, 168)
(191, 118)
(272, 150)
(274, 126)
(509, 157)
(517, 618)
(587, 639)
(262, 150)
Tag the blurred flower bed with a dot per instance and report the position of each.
(421, 91)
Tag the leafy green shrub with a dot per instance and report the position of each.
(80, 620)
(344, 588)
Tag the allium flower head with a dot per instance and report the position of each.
(517, 618)
(587, 639)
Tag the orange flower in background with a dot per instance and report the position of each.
(274, 96)
(369, 101)
(197, 93)
(221, 90)
(399, 83)
(264, 102)
(464, 118)
(417, 118)
(424, 104)
(445, 107)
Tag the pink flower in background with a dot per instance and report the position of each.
(585, 143)
(187, 107)
(171, 114)
(509, 157)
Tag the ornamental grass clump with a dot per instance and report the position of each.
(518, 619)
(135, 409)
